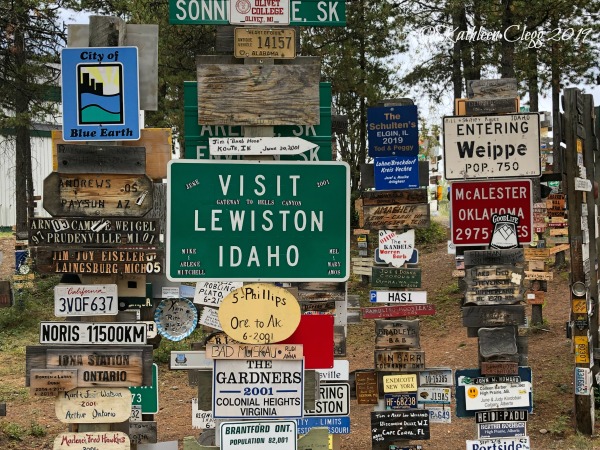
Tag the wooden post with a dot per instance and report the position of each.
(573, 132)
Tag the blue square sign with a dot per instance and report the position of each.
(393, 131)
(396, 172)
(100, 94)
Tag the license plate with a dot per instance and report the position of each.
(264, 43)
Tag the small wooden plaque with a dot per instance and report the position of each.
(99, 440)
(49, 383)
(93, 405)
(254, 351)
(367, 392)
(399, 360)
(499, 368)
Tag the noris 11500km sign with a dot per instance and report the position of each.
(492, 146)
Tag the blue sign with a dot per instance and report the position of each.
(400, 400)
(393, 131)
(100, 94)
(336, 425)
(461, 408)
(396, 172)
(496, 430)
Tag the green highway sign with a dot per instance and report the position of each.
(197, 136)
(308, 13)
(146, 396)
(258, 220)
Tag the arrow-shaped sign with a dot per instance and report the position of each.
(259, 145)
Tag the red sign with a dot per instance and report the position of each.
(382, 312)
(315, 333)
(496, 213)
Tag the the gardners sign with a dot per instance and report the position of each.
(492, 146)
(257, 221)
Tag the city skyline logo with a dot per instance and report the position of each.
(100, 94)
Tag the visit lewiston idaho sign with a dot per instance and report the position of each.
(257, 221)
(483, 147)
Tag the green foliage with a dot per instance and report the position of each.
(13, 430)
(434, 234)
(560, 425)
(37, 430)
(162, 355)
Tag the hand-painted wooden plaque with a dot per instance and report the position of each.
(402, 197)
(99, 440)
(367, 391)
(254, 351)
(394, 217)
(49, 383)
(96, 405)
(92, 195)
(108, 159)
(396, 277)
(382, 312)
(397, 333)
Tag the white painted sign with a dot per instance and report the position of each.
(151, 330)
(339, 372)
(85, 300)
(334, 400)
(396, 248)
(194, 359)
(498, 444)
(170, 292)
(259, 435)
(258, 145)
(583, 184)
(497, 396)
(202, 420)
(93, 333)
(210, 318)
(492, 146)
(259, 12)
(402, 297)
(212, 293)
(89, 405)
(258, 388)
(101, 440)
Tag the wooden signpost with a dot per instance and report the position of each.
(397, 333)
(94, 405)
(99, 261)
(396, 217)
(103, 232)
(489, 316)
(93, 195)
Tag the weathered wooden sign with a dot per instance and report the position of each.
(391, 426)
(382, 312)
(253, 351)
(243, 94)
(537, 254)
(493, 296)
(476, 276)
(99, 261)
(397, 333)
(492, 88)
(92, 333)
(139, 432)
(93, 405)
(388, 198)
(544, 276)
(108, 159)
(395, 217)
(49, 383)
(5, 293)
(489, 316)
(497, 341)
(259, 313)
(499, 368)
(121, 366)
(367, 390)
(118, 195)
(492, 257)
(402, 297)
(396, 277)
(492, 106)
(399, 360)
(100, 440)
(93, 232)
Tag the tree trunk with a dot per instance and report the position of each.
(362, 142)
(507, 58)
(557, 166)
(532, 80)
(456, 57)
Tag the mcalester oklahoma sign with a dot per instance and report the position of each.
(492, 146)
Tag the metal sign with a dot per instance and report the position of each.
(501, 430)
(307, 13)
(502, 146)
(100, 94)
(279, 43)
(441, 376)
(258, 146)
(146, 397)
(521, 443)
(92, 333)
(258, 221)
(401, 297)
(334, 425)
(259, 435)
(334, 400)
(259, 12)
(261, 389)
(393, 131)
(396, 172)
(396, 248)
(397, 311)
(433, 395)
(85, 300)
(401, 400)
(479, 208)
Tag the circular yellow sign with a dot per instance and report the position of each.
(259, 313)
(472, 392)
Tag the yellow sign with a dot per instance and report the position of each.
(400, 383)
(579, 306)
(259, 313)
(579, 146)
(264, 43)
(582, 350)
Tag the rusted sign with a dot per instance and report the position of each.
(489, 316)
(93, 232)
(397, 333)
(477, 276)
(536, 298)
(99, 261)
(396, 277)
(401, 197)
(399, 360)
(92, 195)
(395, 217)
(499, 368)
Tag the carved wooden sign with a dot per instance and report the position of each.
(254, 351)
(49, 383)
(402, 197)
(489, 316)
(492, 88)
(99, 261)
(492, 106)
(99, 440)
(499, 368)
(257, 94)
(109, 159)
(92, 195)
(397, 333)
(93, 232)
(395, 217)
(399, 360)
(93, 405)
(477, 275)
